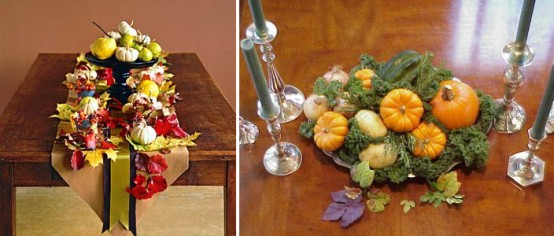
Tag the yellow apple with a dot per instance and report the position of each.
(103, 48)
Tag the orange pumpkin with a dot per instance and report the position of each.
(456, 105)
(401, 110)
(365, 75)
(330, 131)
(430, 141)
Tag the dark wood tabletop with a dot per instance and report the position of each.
(27, 134)
(467, 36)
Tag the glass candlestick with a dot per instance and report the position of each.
(550, 122)
(524, 167)
(282, 158)
(511, 116)
(248, 132)
(290, 98)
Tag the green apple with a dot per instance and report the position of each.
(138, 47)
(145, 54)
(155, 48)
(127, 40)
(103, 48)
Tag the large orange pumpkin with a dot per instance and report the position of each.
(456, 105)
(365, 75)
(330, 131)
(401, 110)
(430, 141)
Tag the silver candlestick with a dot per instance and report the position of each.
(511, 116)
(550, 122)
(282, 158)
(290, 98)
(524, 167)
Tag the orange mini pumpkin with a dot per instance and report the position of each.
(330, 131)
(401, 110)
(365, 75)
(456, 105)
(430, 141)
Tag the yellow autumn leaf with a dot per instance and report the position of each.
(94, 157)
(116, 140)
(111, 154)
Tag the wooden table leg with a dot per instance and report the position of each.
(7, 199)
(230, 197)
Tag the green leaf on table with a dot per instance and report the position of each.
(376, 201)
(363, 174)
(448, 184)
(408, 205)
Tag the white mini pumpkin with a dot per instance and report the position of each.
(114, 34)
(126, 28)
(89, 74)
(143, 134)
(89, 105)
(143, 39)
(126, 54)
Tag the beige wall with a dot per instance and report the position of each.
(28, 27)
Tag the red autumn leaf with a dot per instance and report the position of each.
(141, 160)
(157, 184)
(77, 160)
(157, 164)
(107, 145)
(140, 192)
(139, 179)
(163, 127)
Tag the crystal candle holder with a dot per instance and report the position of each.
(525, 168)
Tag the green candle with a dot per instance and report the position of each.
(524, 22)
(258, 78)
(537, 132)
(258, 15)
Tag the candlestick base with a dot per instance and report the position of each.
(510, 118)
(523, 174)
(253, 35)
(285, 164)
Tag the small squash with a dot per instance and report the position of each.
(143, 134)
(143, 39)
(365, 75)
(429, 141)
(126, 28)
(330, 131)
(126, 54)
(148, 88)
(371, 124)
(401, 110)
(89, 105)
(456, 105)
(114, 35)
(378, 155)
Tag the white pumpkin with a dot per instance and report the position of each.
(89, 74)
(89, 105)
(143, 39)
(315, 106)
(378, 156)
(143, 134)
(113, 34)
(126, 28)
(126, 54)
(371, 124)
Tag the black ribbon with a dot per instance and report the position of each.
(132, 200)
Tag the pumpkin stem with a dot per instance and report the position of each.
(447, 93)
(100, 27)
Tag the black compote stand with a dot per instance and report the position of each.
(121, 72)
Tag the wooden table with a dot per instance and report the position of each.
(27, 134)
(467, 36)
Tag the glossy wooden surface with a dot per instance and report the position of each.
(28, 133)
(467, 37)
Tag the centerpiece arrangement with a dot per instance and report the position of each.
(390, 121)
(123, 118)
